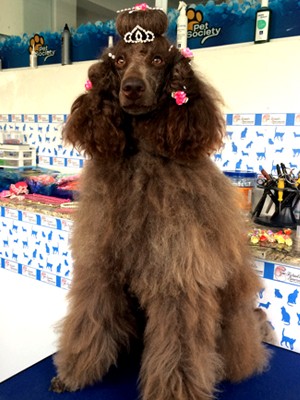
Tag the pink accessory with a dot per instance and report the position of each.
(5, 193)
(88, 85)
(187, 53)
(17, 190)
(41, 198)
(141, 7)
(180, 97)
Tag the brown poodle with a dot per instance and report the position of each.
(158, 223)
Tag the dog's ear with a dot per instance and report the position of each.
(197, 126)
(94, 124)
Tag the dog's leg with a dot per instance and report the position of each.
(95, 328)
(180, 360)
(244, 330)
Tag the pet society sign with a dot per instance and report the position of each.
(200, 29)
(218, 24)
(233, 22)
(37, 42)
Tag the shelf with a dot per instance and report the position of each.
(15, 156)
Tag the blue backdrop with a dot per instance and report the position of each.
(209, 25)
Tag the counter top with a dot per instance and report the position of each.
(262, 250)
(291, 257)
(283, 251)
(64, 210)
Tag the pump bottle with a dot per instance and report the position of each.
(33, 58)
(262, 23)
(182, 22)
(66, 46)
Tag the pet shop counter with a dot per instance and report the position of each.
(35, 272)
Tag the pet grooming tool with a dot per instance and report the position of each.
(283, 192)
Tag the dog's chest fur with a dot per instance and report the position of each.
(151, 209)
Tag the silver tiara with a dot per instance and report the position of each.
(139, 7)
(139, 35)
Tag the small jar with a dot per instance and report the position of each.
(245, 181)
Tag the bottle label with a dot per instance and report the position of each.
(262, 26)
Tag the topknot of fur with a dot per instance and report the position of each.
(153, 20)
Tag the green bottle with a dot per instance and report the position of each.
(262, 23)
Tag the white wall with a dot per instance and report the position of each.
(28, 313)
(255, 78)
(11, 17)
(45, 90)
(64, 12)
(251, 78)
(29, 16)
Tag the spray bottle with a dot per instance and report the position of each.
(66, 46)
(33, 58)
(262, 23)
(110, 41)
(182, 23)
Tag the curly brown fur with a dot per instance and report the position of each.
(158, 221)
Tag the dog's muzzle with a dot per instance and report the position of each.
(133, 88)
(136, 96)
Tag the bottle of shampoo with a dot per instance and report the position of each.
(110, 41)
(66, 46)
(182, 22)
(33, 58)
(262, 23)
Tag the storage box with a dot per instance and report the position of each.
(280, 299)
(13, 137)
(15, 156)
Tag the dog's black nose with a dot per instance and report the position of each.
(133, 88)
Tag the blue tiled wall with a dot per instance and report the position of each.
(254, 141)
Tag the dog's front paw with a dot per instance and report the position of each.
(266, 330)
(58, 386)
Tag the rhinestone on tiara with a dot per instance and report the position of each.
(139, 7)
(139, 35)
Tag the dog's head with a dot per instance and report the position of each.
(141, 59)
(144, 76)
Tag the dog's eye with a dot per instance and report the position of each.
(120, 61)
(157, 60)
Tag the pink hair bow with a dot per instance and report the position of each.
(88, 85)
(180, 97)
(187, 53)
(141, 6)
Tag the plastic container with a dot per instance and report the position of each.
(15, 156)
(182, 23)
(13, 137)
(245, 181)
(33, 58)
